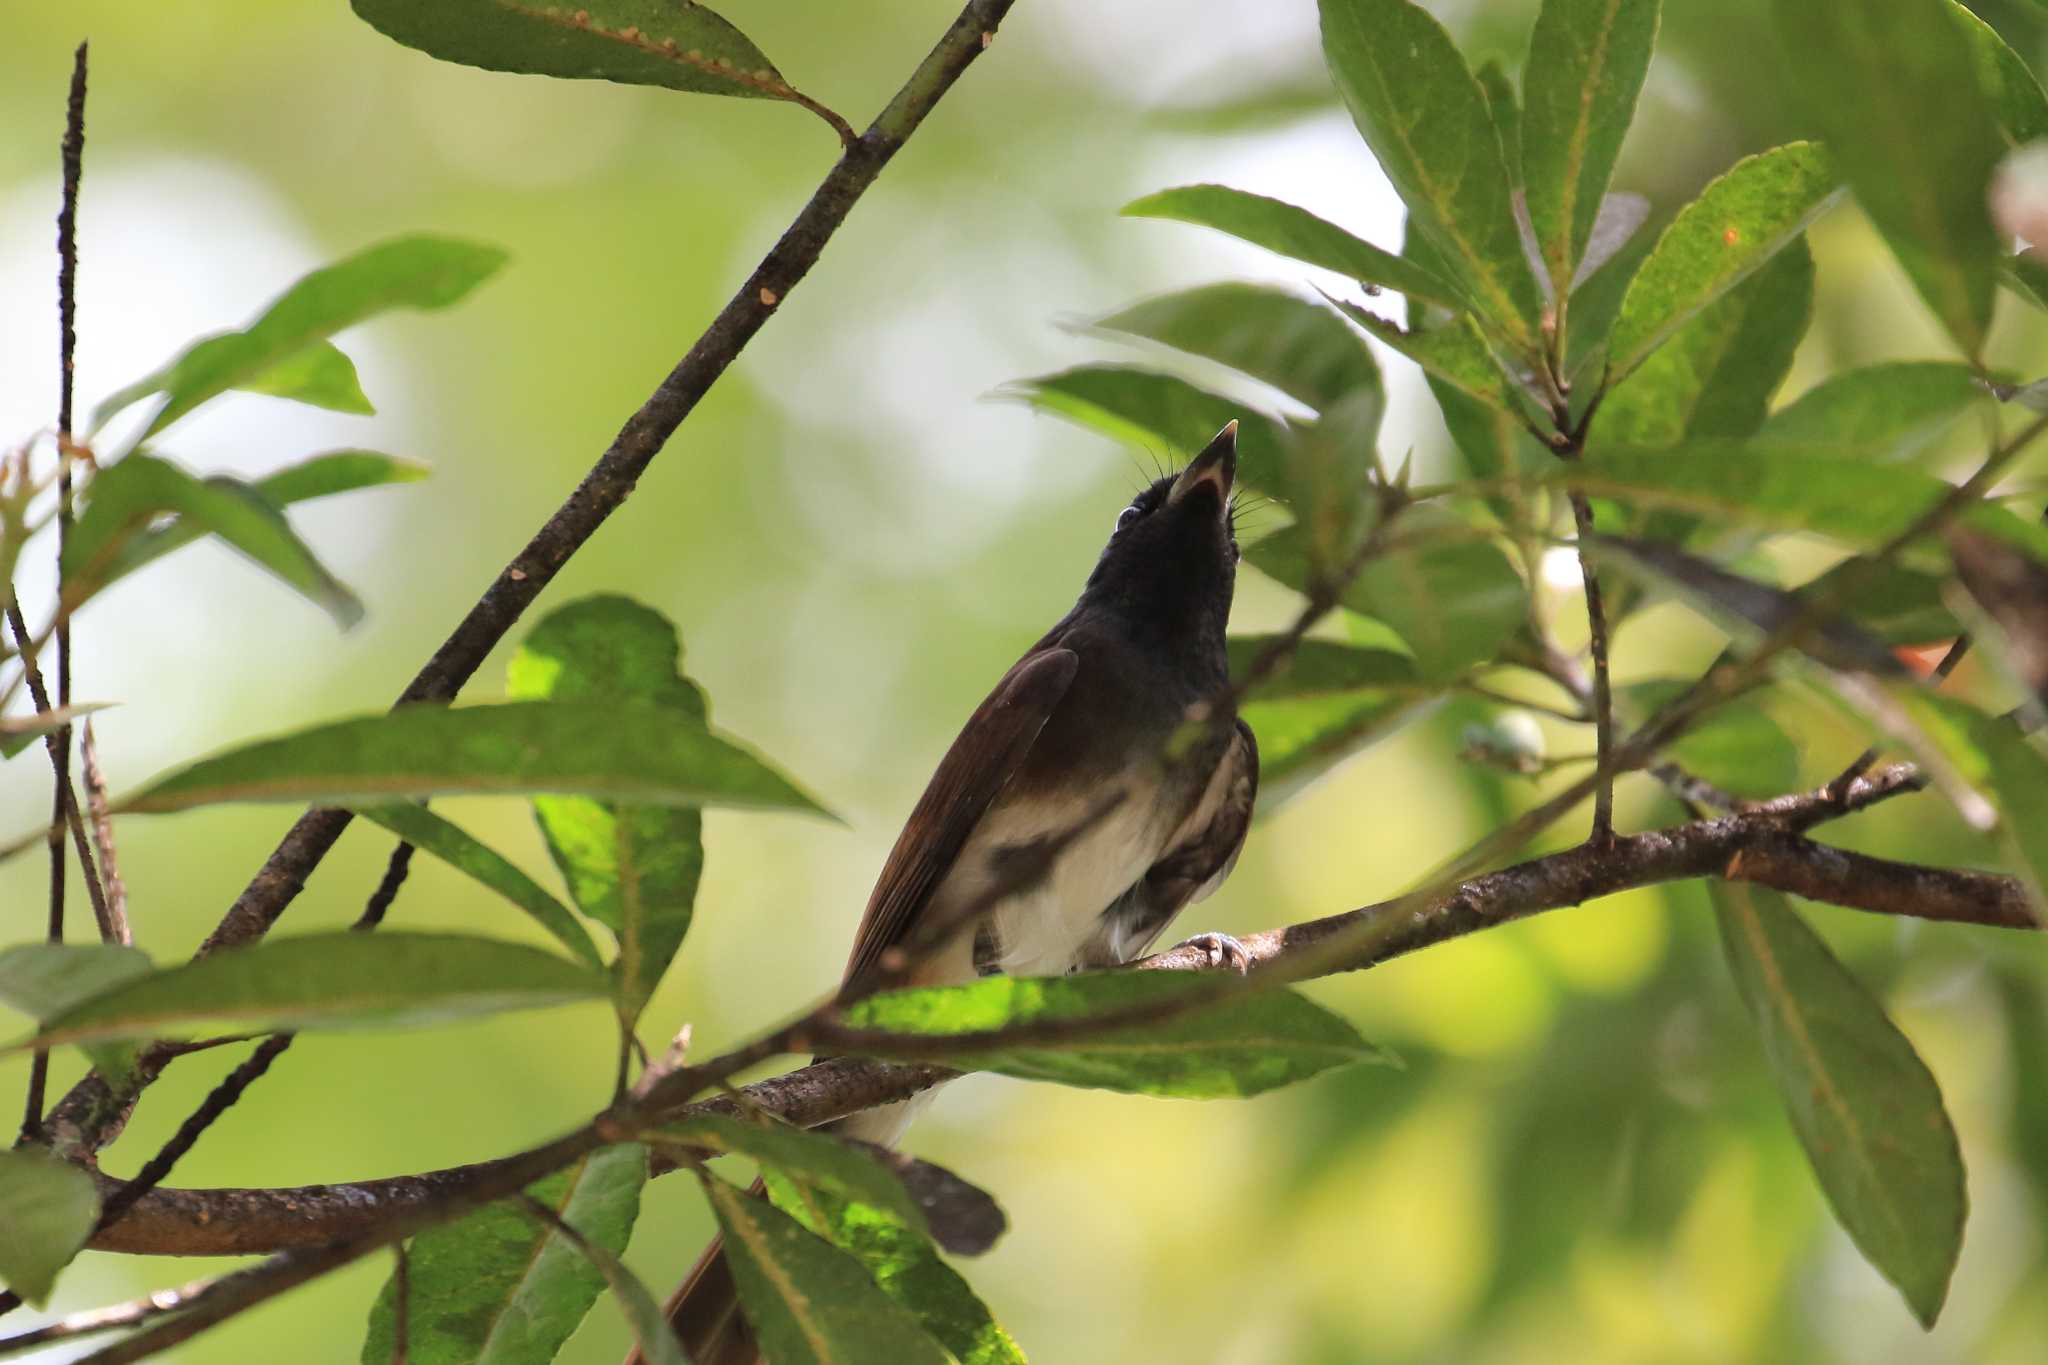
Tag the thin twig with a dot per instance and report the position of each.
(116, 891)
(1603, 692)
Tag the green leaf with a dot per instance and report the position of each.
(1893, 87)
(671, 43)
(43, 980)
(1786, 487)
(1238, 1045)
(1329, 469)
(1298, 234)
(2019, 778)
(1864, 1105)
(2013, 590)
(1880, 412)
(317, 476)
(319, 374)
(905, 1266)
(633, 868)
(465, 853)
(1426, 120)
(328, 981)
(18, 732)
(963, 1219)
(1716, 374)
(2016, 97)
(1455, 352)
(496, 1287)
(1737, 747)
(1587, 61)
(47, 1209)
(1328, 702)
(407, 272)
(1450, 593)
(2025, 276)
(1753, 211)
(811, 1303)
(636, 750)
(1298, 347)
(1506, 109)
(1149, 411)
(122, 500)
(1900, 606)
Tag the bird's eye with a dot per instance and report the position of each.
(1126, 517)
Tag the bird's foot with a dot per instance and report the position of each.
(1219, 950)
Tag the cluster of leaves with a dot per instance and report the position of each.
(1575, 358)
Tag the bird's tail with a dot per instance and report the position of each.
(705, 1315)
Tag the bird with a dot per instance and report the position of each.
(1104, 784)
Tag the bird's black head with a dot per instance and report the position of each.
(1170, 567)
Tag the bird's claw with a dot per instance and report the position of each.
(1220, 950)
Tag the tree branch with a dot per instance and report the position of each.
(90, 1115)
(1764, 844)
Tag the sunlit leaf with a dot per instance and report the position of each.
(318, 374)
(122, 500)
(1735, 226)
(495, 1287)
(328, 981)
(1864, 1105)
(633, 868)
(809, 1302)
(907, 1268)
(1893, 87)
(637, 751)
(677, 44)
(317, 476)
(1455, 352)
(2016, 96)
(1241, 1045)
(1737, 747)
(1298, 234)
(406, 272)
(1326, 703)
(47, 1210)
(465, 853)
(1427, 122)
(1299, 347)
(1587, 61)
(1881, 412)
(1158, 414)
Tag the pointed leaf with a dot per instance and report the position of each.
(462, 851)
(47, 1210)
(1880, 412)
(1426, 120)
(328, 981)
(677, 44)
(43, 980)
(497, 1288)
(318, 374)
(407, 272)
(811, 1303)
(1455, 352)
(1328, 480)
(1298, 234)
(963, 1219)
(1716, 374)
(122, 500)
(1587, 61)
(1150, 411)
(1239, 1045)
(1328, 702)
(907, 1268)
(1865, 1106)
(317, 476)
(639, 751)
(1300, 348)
(18, 732)
(633, 868)
(2016, 96)
(1893, 86)
(1736, 225)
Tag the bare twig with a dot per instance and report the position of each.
(1603, 693)
(115, 889)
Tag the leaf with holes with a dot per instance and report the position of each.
(1864, 1105)
(1587, 61)
(1298, 234)
(1893, 87)
(811, 1303)
(1426, 119)
(495, 1287)
(1738, 223)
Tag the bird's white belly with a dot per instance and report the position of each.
(1042, 927)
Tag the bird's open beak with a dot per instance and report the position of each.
(1216, 467)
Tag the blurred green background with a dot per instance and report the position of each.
(1583, 1157)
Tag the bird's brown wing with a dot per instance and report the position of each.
(985, 756)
